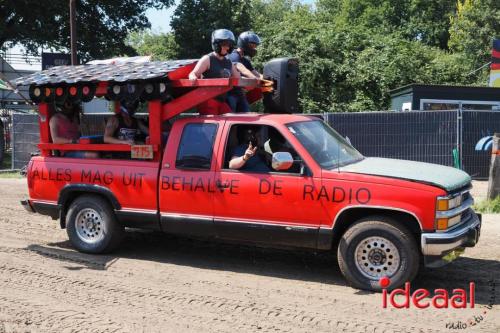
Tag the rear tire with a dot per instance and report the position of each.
(378, 247)
(91, 225)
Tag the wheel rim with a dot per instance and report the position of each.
(376, 257)
(89, 226)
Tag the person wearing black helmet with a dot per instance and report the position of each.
(216, 65)
(240, 57)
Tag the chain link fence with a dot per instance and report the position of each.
(418, 136)
(25, 137)
(5, 138)
(446, 137)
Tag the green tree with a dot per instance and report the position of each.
(159, 46)
(102, 26)
(423, 20)
(472, 31)
(351, 54)
(194, 20)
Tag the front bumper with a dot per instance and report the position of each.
(439, 248)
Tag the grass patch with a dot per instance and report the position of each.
(488, 206)
(7, 161)
(14, 174)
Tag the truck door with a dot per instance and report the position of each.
(264, 206)
(186, 184)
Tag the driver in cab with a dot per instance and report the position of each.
(245, 156)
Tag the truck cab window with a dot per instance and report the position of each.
(196, 146)
(264, 140)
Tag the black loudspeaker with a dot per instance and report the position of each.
(284, 72)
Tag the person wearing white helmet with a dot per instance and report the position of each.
(240, 57)
(216, 65)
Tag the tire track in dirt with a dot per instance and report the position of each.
(75, 257)
(27, 314)
(53, 288)
(235, 309)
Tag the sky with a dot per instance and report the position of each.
(160, 19)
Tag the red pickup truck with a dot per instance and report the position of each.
(313, 189)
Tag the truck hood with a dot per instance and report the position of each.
(447, 178)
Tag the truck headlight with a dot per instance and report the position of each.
(447, 203)
(445, 223)
(450, 209)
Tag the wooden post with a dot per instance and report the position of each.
(72, 26)
(494, 180)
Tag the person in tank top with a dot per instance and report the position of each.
(240, 57)
(123, 128)
(216, 65)
(65, 128)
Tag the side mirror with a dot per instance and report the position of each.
(282, 161)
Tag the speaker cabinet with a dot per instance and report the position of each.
(284, 73)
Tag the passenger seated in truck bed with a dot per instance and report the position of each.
(123, 128)
(65, 128)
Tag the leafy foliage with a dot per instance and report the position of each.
(194, 21)
(352, 53)
(102, 26)
(473, 27)
(488, 206)
(160, 46)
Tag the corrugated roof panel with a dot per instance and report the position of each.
(103, 72)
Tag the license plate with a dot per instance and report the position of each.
(142, 152)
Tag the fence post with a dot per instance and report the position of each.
(12, 141)
(457, 152)
(494, 180)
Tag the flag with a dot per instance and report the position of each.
(495, 64)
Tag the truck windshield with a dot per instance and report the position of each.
(328, 148)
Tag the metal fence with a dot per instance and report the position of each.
(419, 136)
(25, 137)
(6, 119)
(26, 134)
(476, 131)
(427, 136)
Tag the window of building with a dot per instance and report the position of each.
(437, 105)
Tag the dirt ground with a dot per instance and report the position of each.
(158, 283)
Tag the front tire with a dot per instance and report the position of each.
(91, 225)
(378, 247)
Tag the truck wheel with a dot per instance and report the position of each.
(378, 247)
(91, 225)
